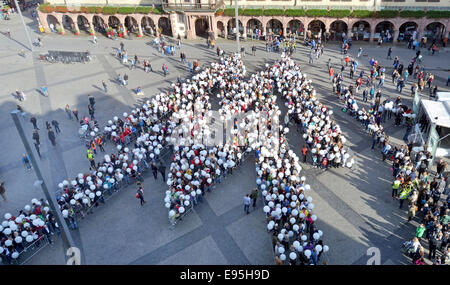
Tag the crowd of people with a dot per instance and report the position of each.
(195, 169)
(411, 168)
(415, 184)
(33, 225)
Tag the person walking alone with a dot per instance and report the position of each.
(36, 137)
(389, 53)
(140, 194)
(34, 122)
(68, 111)
(104, 86)
(304, 153)
(247, 202)
(91, 112)
(26, 162)
(44, 90)
(162, 170)
(165, 69)
(75, 113)
(154, 170)
(51, 136)
(38, 150)
(56, 126)
(254, 197)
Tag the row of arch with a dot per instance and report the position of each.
(360, 30)
(100, 25)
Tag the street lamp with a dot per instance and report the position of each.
(24, 26)
(67, 237)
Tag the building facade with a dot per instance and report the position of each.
(392, 20)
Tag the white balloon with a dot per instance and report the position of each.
(283, 257)
(266, 209)
(325, 248)
(293, 255)
(15, 255)
(316, 236)
(296, 244)
(318, 248)
(308, 253)
(281, 249)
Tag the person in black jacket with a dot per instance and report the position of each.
(34, 122)
(91, 100)
(433, 247)
(154, 170)
(162, 170)
(36, 137)
(51, 136)
(56, 126)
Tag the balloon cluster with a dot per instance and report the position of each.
(321, 133)
(194, 168)
(17, 232)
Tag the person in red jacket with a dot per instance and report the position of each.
(304, 152)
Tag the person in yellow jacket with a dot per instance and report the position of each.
(406, 190)
(395, 186)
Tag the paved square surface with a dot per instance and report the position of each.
(354, 207)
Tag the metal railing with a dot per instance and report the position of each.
(28, 250)
(175, 219)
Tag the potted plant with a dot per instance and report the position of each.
(77, 32)
(59, 29)
(91, 32)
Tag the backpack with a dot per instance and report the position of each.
(138, 196)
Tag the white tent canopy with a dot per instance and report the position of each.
(443, 96)
(438, 112)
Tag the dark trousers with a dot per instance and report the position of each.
(394, 192)
(401, 203)
(304, 158)
(247, 208)
(432, 252)
(57, 129)
(155, 174)
(163, 175)
(36, 145)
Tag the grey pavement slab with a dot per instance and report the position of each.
(197, 255)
